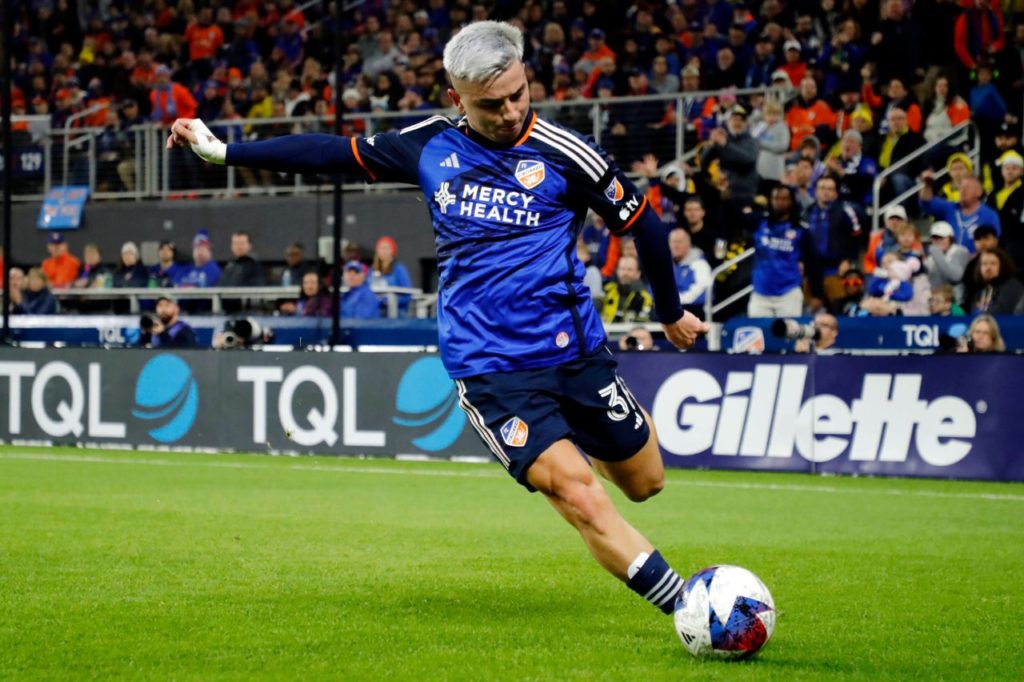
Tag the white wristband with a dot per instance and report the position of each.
(208, 147)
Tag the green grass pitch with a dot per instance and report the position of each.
(185, 566)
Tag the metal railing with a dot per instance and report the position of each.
(421, 303)
(710, 307)
(132, 163)
(965, 133)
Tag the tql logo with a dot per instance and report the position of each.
(427, 403)
(166, 394)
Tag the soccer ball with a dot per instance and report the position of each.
(724, 612)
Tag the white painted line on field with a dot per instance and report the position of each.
(309, 466)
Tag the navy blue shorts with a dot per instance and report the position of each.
(521, 414)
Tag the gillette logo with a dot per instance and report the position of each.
(763, 414)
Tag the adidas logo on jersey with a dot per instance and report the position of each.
(451, 162)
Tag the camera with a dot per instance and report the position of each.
(243, 333)
(794, 331)
(147, 322)
(632, 343)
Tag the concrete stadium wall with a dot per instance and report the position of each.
(273, 221)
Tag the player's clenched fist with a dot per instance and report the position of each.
(683, 333)
(194, 133)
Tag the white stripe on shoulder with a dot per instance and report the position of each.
(585, 164)
(426, 122)
(572, 139)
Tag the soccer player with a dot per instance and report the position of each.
(508, 193)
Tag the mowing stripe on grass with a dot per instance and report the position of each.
(308, 466)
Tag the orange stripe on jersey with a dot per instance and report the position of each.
(636, 215)
(529, 129)
(355, 152)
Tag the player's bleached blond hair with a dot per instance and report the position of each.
(481, 51)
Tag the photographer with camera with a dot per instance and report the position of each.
(818, 337)
(165, 329)
(638, 338)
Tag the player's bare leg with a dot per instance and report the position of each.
(642, 475)
(570, 485)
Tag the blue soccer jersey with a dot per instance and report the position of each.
(506, 218)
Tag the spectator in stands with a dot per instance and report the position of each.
(985, 239)
(895, 44)
(890, 290)
(604, 247)
(37, 299)
(896, 97)
(626, 299)
(809, 115)
(966, 215)
(359, 302)
(638, 339)
(592, 277)
(942, 302)
(693, 274)
(799, 177)
(979, 33)
(170, 100)
(988, 107)
(943, 111)
(898, 143)
(1008, 200)
(313, 301)
(243, 270)
(387, 271)
(772, 135)
(168, 330)
(130, 272)
(295, 265)
(998, 290)
(781, 244)
(62, 267)
(837, 227)
(985, 337)
(167, 271)
(17, 280)
(763, 63)
(204, 39)
(93, 273)
(736, 151)
(848, 305)
(704, 233)
(352, 251)
(204, 271)
(794, 66)
(958, 167)
(854, 170)
(946, 260)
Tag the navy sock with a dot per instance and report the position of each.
(657, 582)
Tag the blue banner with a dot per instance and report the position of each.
(28, 161)
(745, 334)
(62, 208)
(941, 417)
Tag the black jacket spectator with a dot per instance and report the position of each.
(244, 271)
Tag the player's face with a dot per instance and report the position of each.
(497, 109)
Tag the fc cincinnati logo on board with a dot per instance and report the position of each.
(530, 173)
(614, 191)
(514, 432)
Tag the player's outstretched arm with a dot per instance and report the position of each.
(307, 153)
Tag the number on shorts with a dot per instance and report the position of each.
(616, 401)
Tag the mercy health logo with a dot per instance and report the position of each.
(763, 414)
(166, 395)
(427, 406)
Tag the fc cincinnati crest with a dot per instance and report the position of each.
(614, 191)
(515, 432)
(530, 173)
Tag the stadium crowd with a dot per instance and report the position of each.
(848, 89)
